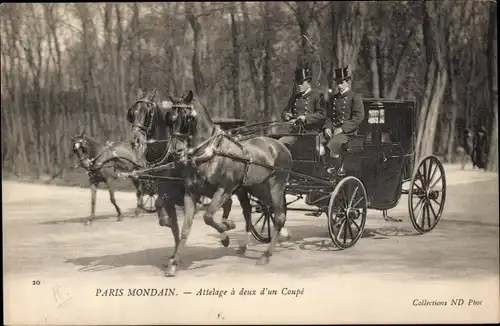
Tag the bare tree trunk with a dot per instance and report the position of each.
(267, 58)
(254, 73)
(493, 81)
(120, 58)
(436, 78)
(199, 80)
(400, 74)
(450, 150)
(347, 33)
(236, 64)
(375, 82)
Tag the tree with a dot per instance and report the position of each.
(436, 75)
(493, 85)
(235, 62)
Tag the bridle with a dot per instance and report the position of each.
(147, 131)
(153, 109)
(188, 121)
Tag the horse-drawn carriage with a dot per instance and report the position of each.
(378, 162)
(253, 165)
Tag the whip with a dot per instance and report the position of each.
(319, 58)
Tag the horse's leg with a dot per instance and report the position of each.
(138, 193)
(246, 206)
(226, 208)
(112, 198)
(160, 205)
(190, 201)
(93, 195)
(169, 206)
(278, 204)
(219, 198)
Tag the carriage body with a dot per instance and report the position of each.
(379, 165)
(382, 154)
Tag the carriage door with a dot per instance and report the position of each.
(383, 155)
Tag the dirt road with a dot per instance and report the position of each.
(63, 268)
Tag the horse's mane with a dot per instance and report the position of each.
(207, 116)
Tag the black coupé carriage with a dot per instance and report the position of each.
(379, 165)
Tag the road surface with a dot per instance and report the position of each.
(58, 265)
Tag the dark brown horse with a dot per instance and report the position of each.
(102, 162)
(259, 166)
(152, 143)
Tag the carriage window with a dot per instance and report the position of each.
(376, 116)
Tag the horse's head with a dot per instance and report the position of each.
(82, 149)
(182, 116)
(190, 120)
(143, 115)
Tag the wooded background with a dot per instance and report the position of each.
(67, 65)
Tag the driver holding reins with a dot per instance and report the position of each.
(306, 107)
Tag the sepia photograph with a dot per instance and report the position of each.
(272, 162)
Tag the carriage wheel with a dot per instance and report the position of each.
(261, 220)
(148, 202)
(427, 194)
(347, 212)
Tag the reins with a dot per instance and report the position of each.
(108, 146)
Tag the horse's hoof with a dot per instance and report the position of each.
(120, 218)
(88, 222)
(138, 212)
(164, 222)
(263, 260)
(225, 241)
(284, 235)
(170, 272)
(241, 249)
(229, 224)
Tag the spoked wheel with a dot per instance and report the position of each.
(427, 194)
(347, 212)
(148, 202)
(262, 221)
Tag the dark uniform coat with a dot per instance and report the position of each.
(312, 105)
(346, 112)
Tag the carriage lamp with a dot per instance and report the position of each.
(376, 114)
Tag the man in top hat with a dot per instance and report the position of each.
(307, 106)
(345, 113)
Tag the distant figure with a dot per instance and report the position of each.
(480, 151)
(466, 148)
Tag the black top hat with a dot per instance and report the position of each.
(303, 74)
(342, 73)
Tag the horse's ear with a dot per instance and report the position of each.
(152, 95)
(83, 130)
(140, 94)
(189, 97)
(170, 97)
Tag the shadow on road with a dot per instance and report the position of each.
(157, 257)
(81, 220)
(317, 238)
